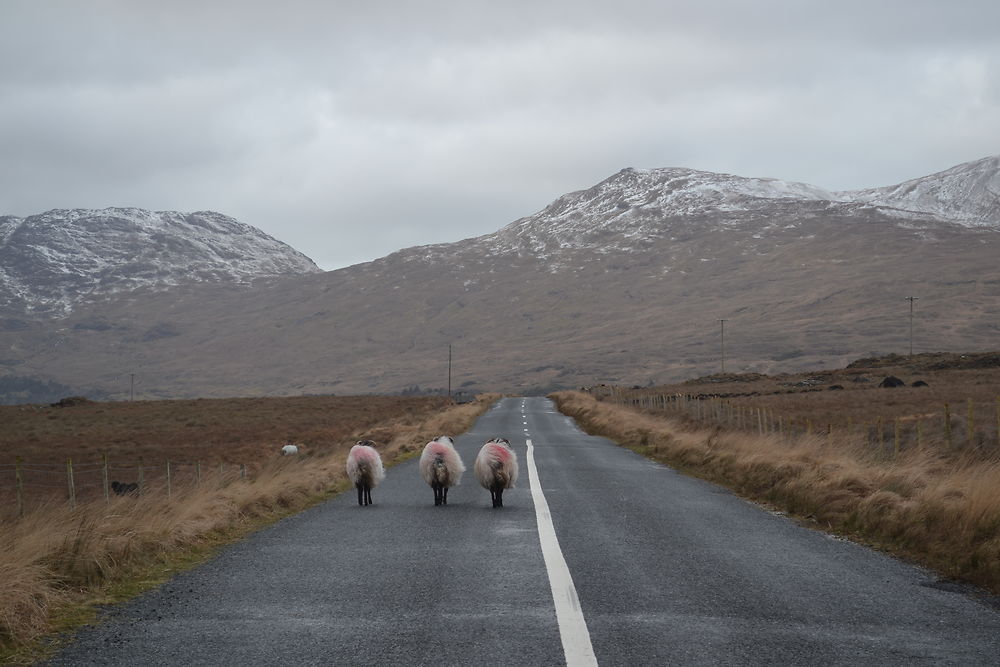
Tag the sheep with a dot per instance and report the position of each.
(289, 449)
(441, 467)
(125, 489)
(364, 467)
(496, 468)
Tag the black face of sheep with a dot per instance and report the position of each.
(125, 489)
(892, 381)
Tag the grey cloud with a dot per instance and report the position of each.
(435, 121)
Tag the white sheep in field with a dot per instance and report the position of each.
(289, 450)
(364, 468)
(441, 467)
(496, 468)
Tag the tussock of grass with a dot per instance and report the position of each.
(938, 509)
(55, 560)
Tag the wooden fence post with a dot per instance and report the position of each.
(947, 424)
(895, 442)
(20, 486)
(970, 429)
(197, 473)
(72, 485)
(104, 477)
(169, 490)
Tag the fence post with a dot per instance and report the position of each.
(970, 429)
(72, 486)
(243, 471)
(168, 481)
(20, 486)
(141, 480)
(947, 424)
(895, 443)
(197, 473)
(104, 477)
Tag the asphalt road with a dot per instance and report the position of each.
(668, 570)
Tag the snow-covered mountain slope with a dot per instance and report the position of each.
(623, 283)
(50, 261)
(638, 206)
(968, 193)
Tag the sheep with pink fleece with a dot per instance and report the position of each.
(496, 468)
(441, 467)
(364, 468)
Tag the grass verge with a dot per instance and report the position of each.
(58, 565)
(942, 511)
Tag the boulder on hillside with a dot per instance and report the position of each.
(70, 401)
(892, 381)
(919, 383)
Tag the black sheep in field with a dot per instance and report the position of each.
(125, 489)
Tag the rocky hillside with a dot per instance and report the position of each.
(51, 262)
(624, 282)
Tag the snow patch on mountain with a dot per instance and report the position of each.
(637, 206)
(968, 194)
(51, 260)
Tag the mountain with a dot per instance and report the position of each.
(52, 261)
(623, 282)
(968, 194)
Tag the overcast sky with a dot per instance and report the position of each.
(353, 129)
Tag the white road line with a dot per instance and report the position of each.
(572, 626)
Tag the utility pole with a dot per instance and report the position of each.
(722, 325)
(449, 371)
(131, 390)
(911, 299)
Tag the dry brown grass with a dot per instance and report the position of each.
(232, 430)
(806, 401)
(56, 556)
(209, 432)
(939, 508)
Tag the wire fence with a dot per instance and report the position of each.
(960, 425)
(24, 483)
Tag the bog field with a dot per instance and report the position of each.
(207, 472)
(948, 402)
(79, 447)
